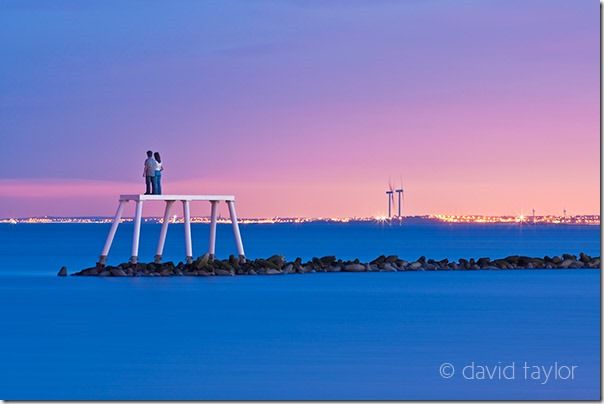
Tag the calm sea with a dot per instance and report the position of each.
(312, 336)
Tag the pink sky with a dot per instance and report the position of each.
(303, 110)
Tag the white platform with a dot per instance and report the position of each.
(143, 197)
(170, 200)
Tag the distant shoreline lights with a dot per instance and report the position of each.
(521, 219)
(453, 219)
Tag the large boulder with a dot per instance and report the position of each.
(388, 267)
(414, 266)
(402, 264)
(379, 260)
(234, 261)
(328, 260)
(584, 258)
(261, 263)
(277, 260)
(512, 259)
(391, 259)
(92, 271)
(483, 262)
(501, 264)
(354, 267)
(202, 261)
(117, 271)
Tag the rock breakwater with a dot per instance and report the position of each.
(278, 265)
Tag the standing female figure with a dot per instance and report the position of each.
(158, 169)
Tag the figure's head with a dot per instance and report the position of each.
(157, 157)
(149, 153)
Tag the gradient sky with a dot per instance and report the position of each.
(302, 108)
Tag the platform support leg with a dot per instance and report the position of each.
(186, 207)
(111, 235)
(163, 233)
(236, 232)
(213, 214)
(137, 231)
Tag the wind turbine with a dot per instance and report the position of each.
(390, 196)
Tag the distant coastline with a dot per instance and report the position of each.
(593, 220)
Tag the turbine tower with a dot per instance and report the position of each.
(401, 197)
(399, 192)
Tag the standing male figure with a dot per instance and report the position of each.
(149, 172)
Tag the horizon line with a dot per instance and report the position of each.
(323, 217)
(591, 219)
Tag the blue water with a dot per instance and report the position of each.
(312, 336)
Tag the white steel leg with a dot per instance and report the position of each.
(137, 231)
(111, 235)
(188, 243)
(163, 232)
(212, 248)
(231, 205)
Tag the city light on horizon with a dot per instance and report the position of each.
(452, 219)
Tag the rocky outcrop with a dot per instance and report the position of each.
(278, 265)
